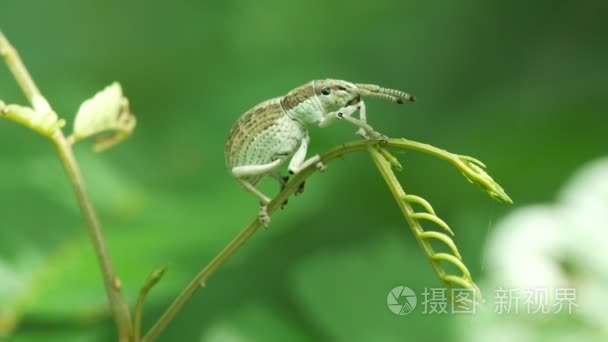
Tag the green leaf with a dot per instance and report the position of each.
(254, 322)
(344, 291)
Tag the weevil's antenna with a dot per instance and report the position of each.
(392, 95)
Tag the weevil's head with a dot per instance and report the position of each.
(311, 101)
(336, 93)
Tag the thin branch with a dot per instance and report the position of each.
(402, 200)
(112, 282)
(201, 278)
(470, 167)
(18, 69)
(120, 310)
(152, 280)
(339, 151)
(393, 184)
(44, 124)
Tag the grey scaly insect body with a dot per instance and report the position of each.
(277, 129)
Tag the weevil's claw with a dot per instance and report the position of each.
(321, 167)
(361, 132)
(373, 135)
(300, 189)
(283, 182)
(378, 137)
(263, 216)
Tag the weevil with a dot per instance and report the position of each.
(276, 130)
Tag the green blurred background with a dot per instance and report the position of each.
(519, 84)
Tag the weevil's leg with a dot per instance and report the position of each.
(299, 156)
(316, 159)
(298, 159)
(253, 190)
(367, 129)
(263, 214)
(328, 120)
(298, 163)
(300, 188)
(363, 117)
(283, 180)
(333, 116)
(256, 170)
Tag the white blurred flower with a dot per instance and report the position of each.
(550, 247)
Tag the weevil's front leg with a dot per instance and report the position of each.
(346, 113)
(365, 130)
(363, 117)
(298, 162)
(255, 170)
(299, 156)
(330, 118)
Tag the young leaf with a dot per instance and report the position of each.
(43, 121)
(107, 111)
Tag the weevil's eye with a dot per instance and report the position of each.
(325, 91)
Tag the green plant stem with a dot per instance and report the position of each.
(18, 69)
(118, 306)
(120, 310)
(385, 169)
(338, 151)
(200, 279)
(152, 280)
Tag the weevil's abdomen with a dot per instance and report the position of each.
(261, 135)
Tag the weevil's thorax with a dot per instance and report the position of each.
(301, 104)
(308, 104)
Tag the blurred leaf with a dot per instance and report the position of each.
(76, 334)
(17, 283)
(163, 237)
(344, 292)
(254, 322)
(111, 191)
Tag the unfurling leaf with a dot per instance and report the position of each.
(474, 171)
(43, 121)
(107, 111)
